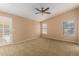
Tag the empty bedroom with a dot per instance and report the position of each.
(39, 29)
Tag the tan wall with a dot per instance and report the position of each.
(23, 29)
(78, 24)
(55, 26)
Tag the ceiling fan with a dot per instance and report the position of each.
(42, 11)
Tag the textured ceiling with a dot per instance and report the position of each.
(27, 10)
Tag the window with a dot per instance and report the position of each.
(69, 27)
(44, 28)
(5, 30)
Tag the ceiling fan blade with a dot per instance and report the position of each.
(47, 12)
(37, 9)
(46, 9)
(37, 13)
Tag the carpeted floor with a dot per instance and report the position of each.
(41, 47)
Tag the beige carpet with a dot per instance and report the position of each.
(40, 47)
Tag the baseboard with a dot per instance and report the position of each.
(25, 40)
(62, 40)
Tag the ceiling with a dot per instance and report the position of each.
(27, 10)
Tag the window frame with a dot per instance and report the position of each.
(5, 29)
(44, 28)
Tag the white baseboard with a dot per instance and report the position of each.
(12, 43)
(25, 40)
